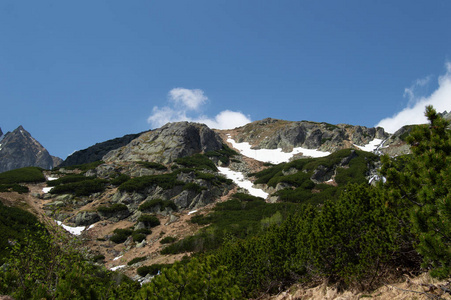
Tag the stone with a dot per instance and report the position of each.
(36, 195)
(85, 218)
(64, 198)
(166, 144)
(141, 244)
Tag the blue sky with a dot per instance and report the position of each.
(75, 73)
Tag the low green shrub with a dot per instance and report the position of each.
(246, 197)
(23, 175)
(234, 218)
(14, 224)
(149, 220)
(152, 165)
(150, 204)
(68, 179)
(145, 231)
(138, 237)
(168, 240)
(120, 179)
(82, 188)
(84, 167)
(136, 260)
(121, 235)
(214, 179)
(197, 162)
(223, 155)
(191, 186)
(14, 187)
(152, 269)
(98, 258)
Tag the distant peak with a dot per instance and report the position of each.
(20, 129)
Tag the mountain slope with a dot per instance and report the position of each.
(272, 133)
(97, 151)
(19, 149)
(164, 145)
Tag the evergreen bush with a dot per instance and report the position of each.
(23, 175)
(149, 220)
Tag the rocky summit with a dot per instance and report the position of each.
(164, 145)
(19, 149)
(272, 133)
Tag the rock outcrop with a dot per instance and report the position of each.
(97, 151)
(272, 133)
(164, 145)
(19, 149)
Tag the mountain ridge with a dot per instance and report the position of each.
(19, 149)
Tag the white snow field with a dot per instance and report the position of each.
(47, 189)
(238, 178)
(371, 146)
(72, 230)
(275, 156)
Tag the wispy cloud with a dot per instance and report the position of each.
(189, 99)
(186, 105)
(414, 112)
(413, 90)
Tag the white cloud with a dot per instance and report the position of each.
(161, 116)
(411, 91)
(414, 112)
(186, 101)
(191, 99)
(226, 119)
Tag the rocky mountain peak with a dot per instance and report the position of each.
(19, 149)
(168, 143)
(272, 133)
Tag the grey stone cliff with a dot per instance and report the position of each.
(164, 145)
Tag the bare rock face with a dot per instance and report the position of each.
(164, 145)
(97, 151)
(272, 133)
(19, 149)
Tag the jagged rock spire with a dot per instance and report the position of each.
(19, 149)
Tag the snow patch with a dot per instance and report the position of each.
(47, 189)
(117, 267)
(377, 178)
(116, 258)
(238, 178)
(275, 156)
(371, 146)
(192, 212)
(50, 178)
(72, 230)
